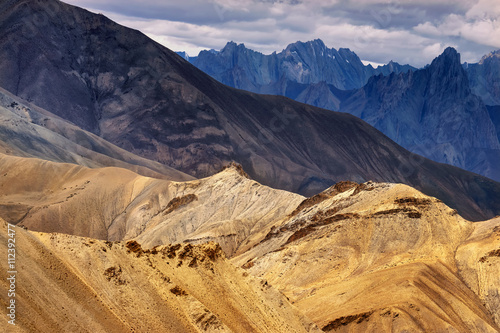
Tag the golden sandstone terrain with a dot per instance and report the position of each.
(371, 257)
(139, 194)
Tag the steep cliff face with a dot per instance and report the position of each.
(432, 112)
(494, 112)
(484, 78)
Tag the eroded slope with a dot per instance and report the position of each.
(73, 284)
(382, 257)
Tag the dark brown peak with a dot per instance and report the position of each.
(212, 250)
(328, 193)
(237, 167)
(179, 202)
(342, 187)
(133, 246)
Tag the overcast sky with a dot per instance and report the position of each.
(407, 31)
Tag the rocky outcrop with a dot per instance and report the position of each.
(383, 258)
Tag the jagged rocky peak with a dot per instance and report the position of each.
(490, 56)
(450, 58)
(484, 78)
(316, 44)
(231, 46)
(447, 74)
(235, 167)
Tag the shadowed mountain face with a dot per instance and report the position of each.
(432, 112)
(29, 131)
(494, 112)
(144, 98)
(303, 63)
(484, 78)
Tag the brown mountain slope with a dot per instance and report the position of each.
(72, 284)
(383, 258)
(29, 131)
(116, 204)
(144, 98)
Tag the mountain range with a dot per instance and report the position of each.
(484, 78)
(140, 96)
(355, 257)
(432, 112)
(144, 195)
(300, 62)
(400, 101)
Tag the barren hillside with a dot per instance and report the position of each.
(383, 258)
(72, 284)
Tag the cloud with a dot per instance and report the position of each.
(479, 25)
(407, 31)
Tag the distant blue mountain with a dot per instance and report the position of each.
(433, 112)
(484, 78)
(300, 63)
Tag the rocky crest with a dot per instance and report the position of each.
(484, 78)
(102, 286)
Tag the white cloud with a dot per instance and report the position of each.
(480, 25)
(377, 30)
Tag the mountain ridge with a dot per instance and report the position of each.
(300, 62)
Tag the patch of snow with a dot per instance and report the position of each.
(374, 64)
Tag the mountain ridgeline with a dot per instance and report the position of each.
(300, 62)
(142, 97)
(105, 141)
(484, 78)
(432, 111)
